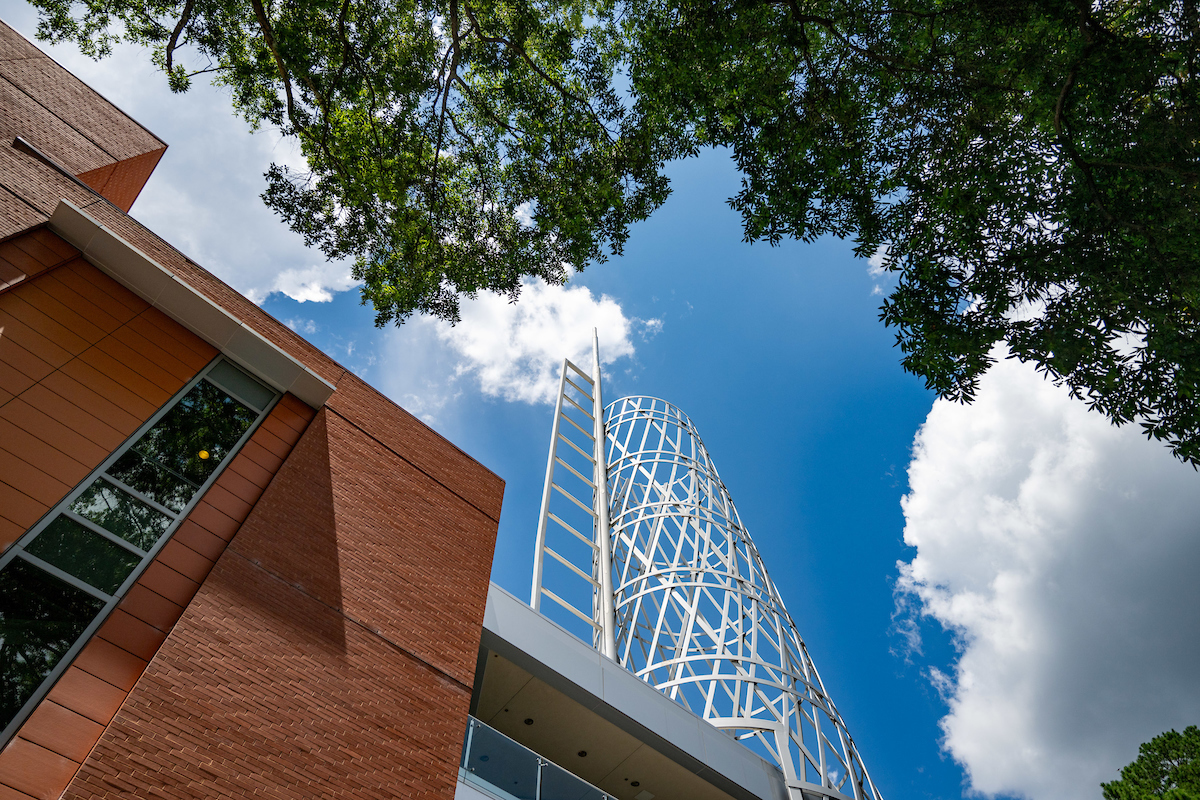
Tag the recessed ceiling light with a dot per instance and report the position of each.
(528, 721)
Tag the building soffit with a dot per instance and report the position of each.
(164, 290)
(549, 652)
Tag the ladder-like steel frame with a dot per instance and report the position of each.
(585, 446)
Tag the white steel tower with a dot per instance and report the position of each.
(641, 528)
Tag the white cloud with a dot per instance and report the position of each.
(651, 328)
(514, 350)
(420, 371)
(1063, 553)
(203, 197)
(875, 263)
(315, 283)
(511, 351)
(302, 326)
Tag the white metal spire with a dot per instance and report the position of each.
(697, 615)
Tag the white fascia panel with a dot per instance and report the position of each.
(161, 288)
(557, 657)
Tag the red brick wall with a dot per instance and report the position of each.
(332, 649)
(72, 124)
(48, 749)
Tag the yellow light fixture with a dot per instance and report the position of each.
(203, 454)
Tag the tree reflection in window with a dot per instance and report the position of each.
(40, 618)
(120, 513)
(85, 554)
(196, 435)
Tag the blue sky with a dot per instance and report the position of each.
(1042, 617)
(776, 355)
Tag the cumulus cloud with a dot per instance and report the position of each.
(512, 351)
(1062, 553)
(316, 283)
(875, 264)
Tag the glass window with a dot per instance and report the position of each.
(503, 763)
(40, 619)
(238, 383)
(138, 500)
(194, 437)
(151, 480)
(121, 513)
(87, 555)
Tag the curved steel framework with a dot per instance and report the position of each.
(679, 594)
(696, 614)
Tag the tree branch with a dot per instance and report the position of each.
(562, 90)
(184, 18)
(264, 25)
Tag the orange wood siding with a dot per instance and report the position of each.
(83, 363)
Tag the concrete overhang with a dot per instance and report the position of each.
(548, 652)
(161, 288)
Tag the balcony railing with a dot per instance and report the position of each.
(511, 771)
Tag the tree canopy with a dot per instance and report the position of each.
(1028, 168)
(1167, 767)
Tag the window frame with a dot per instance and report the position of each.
(62, 508)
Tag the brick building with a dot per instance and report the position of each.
(221, 549)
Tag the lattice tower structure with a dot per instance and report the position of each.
(642, 552)
(698, 617)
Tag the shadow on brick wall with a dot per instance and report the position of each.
(292, 535)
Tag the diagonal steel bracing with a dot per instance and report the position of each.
(679, 594)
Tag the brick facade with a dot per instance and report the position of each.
(311, 629)
(317, 653)
(65, 119)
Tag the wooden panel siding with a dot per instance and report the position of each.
(83, 363)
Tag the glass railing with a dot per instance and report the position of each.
(506, 769)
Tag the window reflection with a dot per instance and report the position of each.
(40, 618)
(120, 513)
(85, 554)
(143, 475)
(194, 437)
